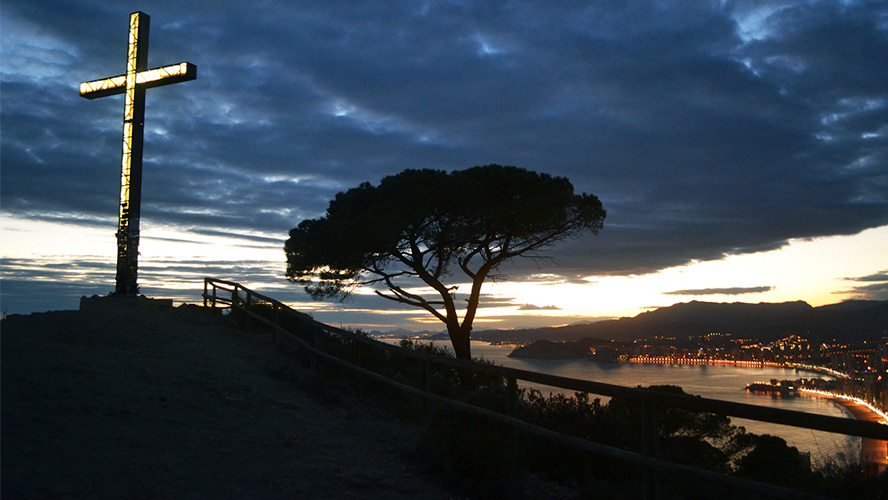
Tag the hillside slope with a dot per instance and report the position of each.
(178, 403)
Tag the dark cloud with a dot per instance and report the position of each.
(875, 291)
(737, 290)
(882, 276)
(876, 287)
(707, 129)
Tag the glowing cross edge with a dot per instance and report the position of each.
(156, 77)
(133, 84)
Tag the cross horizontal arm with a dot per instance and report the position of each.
(156, 77)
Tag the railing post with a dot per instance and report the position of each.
(512, 395)
(426, 386)
(314, 346)
(358, 364)
(205, 293)
(277, 321)
(234, 302)
(649, 447)
(214, 295)
(358, 353)
(511, 410)
(248, 325)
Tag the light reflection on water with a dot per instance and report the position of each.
(727, 383)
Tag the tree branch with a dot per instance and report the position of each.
(410, 299)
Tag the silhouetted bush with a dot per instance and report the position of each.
(478, 455)
(490, 458)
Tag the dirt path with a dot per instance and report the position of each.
(180, 404)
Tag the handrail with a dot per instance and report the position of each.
(858, 428)
(241, 297)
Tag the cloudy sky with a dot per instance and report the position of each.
(740, 147)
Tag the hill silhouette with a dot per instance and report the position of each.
(847, 321)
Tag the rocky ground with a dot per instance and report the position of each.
(179, 403)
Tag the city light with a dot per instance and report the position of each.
(880, 413)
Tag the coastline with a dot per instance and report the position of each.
(874, 451)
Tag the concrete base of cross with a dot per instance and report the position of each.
(123, 302)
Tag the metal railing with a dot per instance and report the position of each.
(242, 299)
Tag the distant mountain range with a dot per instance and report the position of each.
(846, 321)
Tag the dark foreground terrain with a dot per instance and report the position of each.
(178, 403)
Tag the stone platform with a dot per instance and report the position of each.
(104, 302)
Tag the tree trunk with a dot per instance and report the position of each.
(460, 341)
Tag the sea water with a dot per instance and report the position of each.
(724, 382)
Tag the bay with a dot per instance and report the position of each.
(727, 383)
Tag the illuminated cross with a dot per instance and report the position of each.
(133, 84)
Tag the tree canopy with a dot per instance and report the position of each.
(422, 226)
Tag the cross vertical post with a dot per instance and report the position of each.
(131, 165)
(133, 84)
